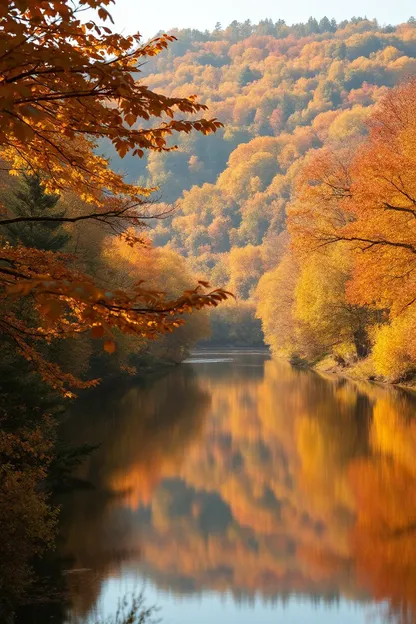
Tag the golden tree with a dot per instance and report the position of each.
(365, 197)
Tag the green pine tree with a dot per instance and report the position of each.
(30, 200)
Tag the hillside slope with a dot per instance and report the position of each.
(281, 92)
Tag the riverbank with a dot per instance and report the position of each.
(362, 370)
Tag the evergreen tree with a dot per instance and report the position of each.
(30, 200)
(246, 29)
(281, 28)
(312, 26)
(232, 32)
(266, 27)
(325, 25)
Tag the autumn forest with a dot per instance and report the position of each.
(303, 205)
(247, 187)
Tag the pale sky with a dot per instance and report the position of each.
(150, 17)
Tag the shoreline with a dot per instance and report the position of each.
(350, 373)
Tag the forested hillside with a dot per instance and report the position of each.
(282, 92)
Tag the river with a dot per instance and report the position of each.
(236, 489)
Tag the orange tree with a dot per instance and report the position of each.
(66, 81)
(365, 196)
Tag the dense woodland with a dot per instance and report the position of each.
(122, 199)
(295, 101)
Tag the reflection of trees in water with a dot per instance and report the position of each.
(298, 484)
(144, 431)
(384, 536)
(251, 460)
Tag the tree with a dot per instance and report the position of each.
(394, 351)
(65, 84)
(163, 271)
(31, 201)
(327, 321)
(312, 26)
(246, 267)
(369, 199)
(362, 198)
(64, 80)
(275, 296)
(383, 206)
(325, 25)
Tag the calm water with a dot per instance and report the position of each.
(235, 489)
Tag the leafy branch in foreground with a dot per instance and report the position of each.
(65, 84)
(69, 303)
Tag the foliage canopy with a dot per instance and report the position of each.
(65, 83)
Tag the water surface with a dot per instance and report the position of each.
(237, 489)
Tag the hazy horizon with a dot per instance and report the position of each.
(128, 15)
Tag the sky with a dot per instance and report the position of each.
(209, 607)
(150, 17)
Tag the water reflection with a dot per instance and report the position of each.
(250, 478)
(143, 432)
